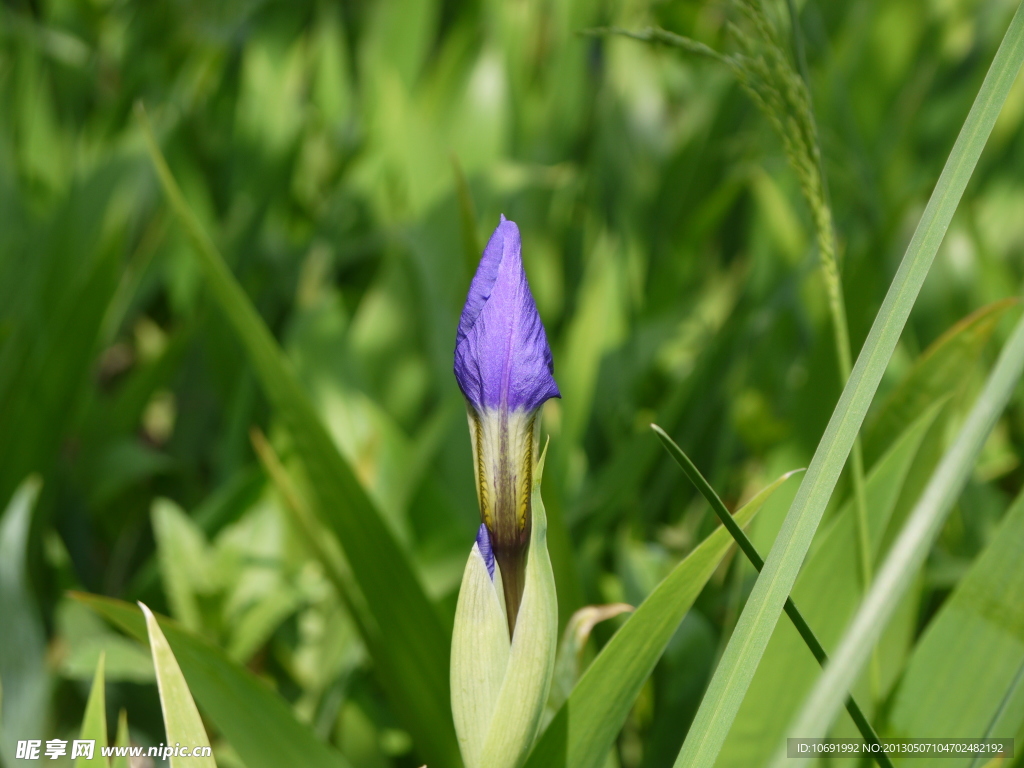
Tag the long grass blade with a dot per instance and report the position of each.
(584, 728)
(121, 739)
(257, 722)
(956, 679)
(753, 631)
(181, 717)
(415, 647)
(911, 547)
(747, 546)
(828, 591)
(94, 721)
(335, 567)
(997, 716)
(23, 668)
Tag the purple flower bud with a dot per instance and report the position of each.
(483, 541)
(502, 357)
(503, 366)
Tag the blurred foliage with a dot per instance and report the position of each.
(349, 160)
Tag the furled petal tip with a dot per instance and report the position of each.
(483, 542)
(502, 357)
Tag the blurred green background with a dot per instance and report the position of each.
(350, 161)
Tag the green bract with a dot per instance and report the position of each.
(499, 687)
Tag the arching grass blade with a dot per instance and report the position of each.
(744, 543)
(911, 547)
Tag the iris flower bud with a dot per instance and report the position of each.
(503, 366)
(506, 620)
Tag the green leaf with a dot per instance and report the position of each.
(827, 592)
(414, 674)
(569, 661)
(480, 651)
(966, 661)
(320, 544)
(472, 249)
(45, 362)
(598, 326)
(798, 621)
(909, 550)
(742, 655)
(531, 660)
(256, 721)
(585, 728)
(181, 718)
(179, 540)
(121, 740)
(94, 723)
(23, 640)
(87, 637)
(938, 371)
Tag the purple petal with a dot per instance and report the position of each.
(483, 541)
(502, 357)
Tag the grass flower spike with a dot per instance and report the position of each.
(506, 621)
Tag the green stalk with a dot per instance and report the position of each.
(747, 546)
(785, 98)
(837, 308)
(817, 199)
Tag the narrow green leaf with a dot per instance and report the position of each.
(258, 723)
(761, 613)
(597, 326)
(471, 246)
(87, 636)
(179, 540)
(317, 540)
(911, 547)
(1009, 714)
(182, 722)
(94, 722)
(937, 372)
(586, 726)
(970, 655)
(569, 662)
(415, 672)
(23, 639)
(46, 359)
(121, 740)
(755, 735)
(827, 592)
